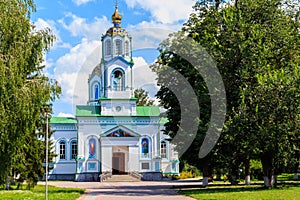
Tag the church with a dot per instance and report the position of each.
(111, 134)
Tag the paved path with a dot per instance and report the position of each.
(145, 190)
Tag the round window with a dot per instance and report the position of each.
(118, 108)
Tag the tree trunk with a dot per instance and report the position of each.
(296, 166)
(205, 174)
(234, 174)
(296, 177)
(268, 170)
(247, 171)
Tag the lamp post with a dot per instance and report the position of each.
(46, 155)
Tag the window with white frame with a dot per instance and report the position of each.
(126, 48)
(62, 150)
(163, 149)
(107, 48)
(73, 150)
(118, 47)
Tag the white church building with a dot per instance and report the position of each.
(111, 134)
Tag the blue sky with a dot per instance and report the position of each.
(78, 26)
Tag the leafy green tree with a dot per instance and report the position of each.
(255, 45)
(24, 89)
(143, 98)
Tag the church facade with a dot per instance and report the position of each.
(111, 134)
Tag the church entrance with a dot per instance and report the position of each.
(120, 156)
(118, 163)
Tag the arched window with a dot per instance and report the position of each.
(117, 80)
(73, 150)
(163, 149)
(96, 92)
(126, 48)
(145, 147)
(118, 47)
(92, 148)
(62, 150)
(107, 48)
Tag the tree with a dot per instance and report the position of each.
(24, 89)
(143, 98)
(255, 45)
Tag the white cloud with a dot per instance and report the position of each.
(72, 69)
(42, 24)
(144, 77)
(81, 27)
(165, 11)
(80, 2)
(150, 34)
(61, 114)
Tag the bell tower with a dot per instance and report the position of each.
(112, 79)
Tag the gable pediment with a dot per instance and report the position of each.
(120, 131)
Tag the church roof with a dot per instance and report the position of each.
(63, 120)
(116, 29)
(151, 111)
(88, 111)
(94, 111)
(96, 70)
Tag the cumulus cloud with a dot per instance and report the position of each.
(76, 65)
(150, 34)
(42, 24)
(61, 114)
(80, 2)
(166, 11)
(81, 27)
(144, 77)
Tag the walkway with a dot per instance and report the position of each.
(144, 190)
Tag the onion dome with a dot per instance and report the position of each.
(116, 17)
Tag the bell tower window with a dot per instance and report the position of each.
(107, 48)
(118, 80)
(126, 48)
(118, 47)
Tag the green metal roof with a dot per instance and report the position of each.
(88, 111)
(149, 111)
(94, 111)
(63, 120)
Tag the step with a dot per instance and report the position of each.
(122, 178)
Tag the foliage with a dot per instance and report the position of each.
(24, 90)
(143, 97)
(255, 45)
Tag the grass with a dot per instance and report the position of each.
(38, 193)
(242, 192)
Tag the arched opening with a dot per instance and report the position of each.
(163, 149)
(62, 150)
(73, 150)
(118, 47)
(107, 48)
(126, 48)
(118, 80)
(96, 92)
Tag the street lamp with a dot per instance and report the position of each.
(47, 155)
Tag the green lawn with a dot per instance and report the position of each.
(38, 192)
(241, 192)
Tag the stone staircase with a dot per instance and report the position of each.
(122, 178)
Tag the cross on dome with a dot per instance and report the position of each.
(116, 16)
